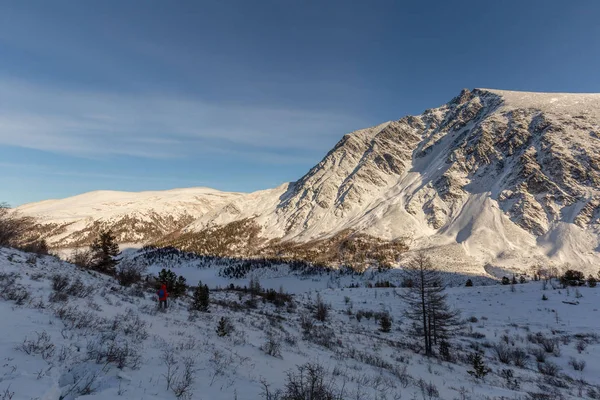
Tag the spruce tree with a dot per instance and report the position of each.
(180, 287)
(385, 323)
(201, 300)
(224, 327)
(480, 370)
(167, 277)
(469, 283)
(445, 351)
(104, 251)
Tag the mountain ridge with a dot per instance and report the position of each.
(492, 176)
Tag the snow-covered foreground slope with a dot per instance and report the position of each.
(492, 178)
(101, 341)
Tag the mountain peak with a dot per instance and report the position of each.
(492, 177)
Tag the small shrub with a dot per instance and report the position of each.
(78, 289)
(41, 345)
(581, 346)
(58, 297)
(511, 382)
(469, 283)
(82, 258)
(578, 365)
(306, 324)
(130, 324)
(503, 353)
(80, 381)
(310, 382)
(550, 345)
(183, 382)
(323, 336)
(272, 346)
(519, 357)
(129, 273)
(544, 297)
(60, 282)
(548, 368)
(428, 390)
(15, 292)
(321, 309)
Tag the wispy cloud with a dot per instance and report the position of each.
(49, 170)
(100, 124)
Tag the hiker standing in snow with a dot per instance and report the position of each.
(162, 296)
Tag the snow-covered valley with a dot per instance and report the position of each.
(71, 333)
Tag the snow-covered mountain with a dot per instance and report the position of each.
(133, 217)
(498, 177)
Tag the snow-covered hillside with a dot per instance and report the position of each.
(492, 178)
(73, 334)
(133, 217)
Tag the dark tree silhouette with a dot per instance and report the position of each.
(572, 277)
(104, 252)
(433, 320)
(201, 300)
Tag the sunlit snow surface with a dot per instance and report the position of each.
(233, 366)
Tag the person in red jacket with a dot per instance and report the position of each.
(162, 296)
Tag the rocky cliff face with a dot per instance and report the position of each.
(507, 178)
(490, 177)
(537, 160)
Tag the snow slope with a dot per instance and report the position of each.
(54, 348)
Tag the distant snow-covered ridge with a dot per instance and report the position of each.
(500, 178)
(133, 217)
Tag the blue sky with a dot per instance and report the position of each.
(246, 95)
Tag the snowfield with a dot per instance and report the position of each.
(93, 339)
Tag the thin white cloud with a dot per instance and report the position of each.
(49, 170)
(99, 124)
